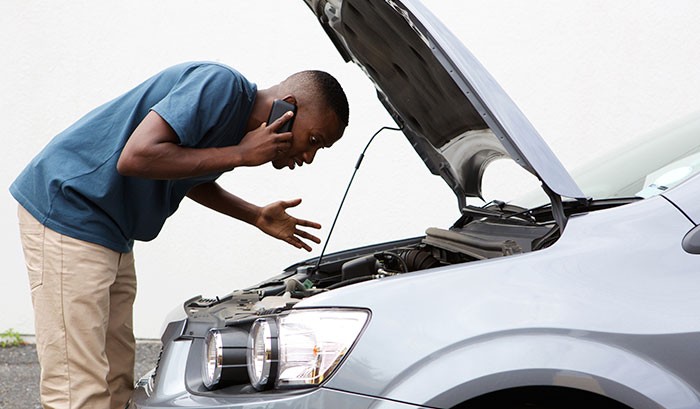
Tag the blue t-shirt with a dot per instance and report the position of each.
(73, 186)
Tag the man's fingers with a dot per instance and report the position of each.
(278, 223)
(283, 144)
(308, 223)
(281, 120)
(298, 243)
(293, 241)
(290, 203)
(283, 138)
(306, 235)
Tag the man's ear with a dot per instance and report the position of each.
(290, 98)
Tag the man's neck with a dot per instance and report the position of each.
(261, 108)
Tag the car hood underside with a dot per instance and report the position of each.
(452, 111)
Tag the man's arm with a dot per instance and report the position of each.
(153, 151)
(271, 219)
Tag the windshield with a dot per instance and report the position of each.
(647, 166)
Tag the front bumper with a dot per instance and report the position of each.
(314, 399)
(174, 387)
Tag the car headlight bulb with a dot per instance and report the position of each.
(303, 347)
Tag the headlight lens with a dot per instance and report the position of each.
(224, 357)
(262, 353)
(213, 358)
(301, 348)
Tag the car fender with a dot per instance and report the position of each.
(684, 197)
(502, 361)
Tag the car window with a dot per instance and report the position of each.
(647, 165)
(670, 175)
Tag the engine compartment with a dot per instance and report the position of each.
(481, 233)
(478, 240)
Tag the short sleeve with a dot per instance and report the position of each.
(200, 101)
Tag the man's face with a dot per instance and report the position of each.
(313, 129)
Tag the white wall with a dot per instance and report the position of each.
(589, 74)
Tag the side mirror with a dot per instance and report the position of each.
(691, 241)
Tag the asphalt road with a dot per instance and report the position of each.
(19, 373)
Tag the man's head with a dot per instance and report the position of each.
(321, 118)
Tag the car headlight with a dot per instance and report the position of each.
(301, 348)
(224, 357)
(263, 353)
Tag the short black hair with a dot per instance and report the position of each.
(328, 89)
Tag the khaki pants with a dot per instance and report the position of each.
(83, 296)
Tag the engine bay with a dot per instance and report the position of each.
(481, 233)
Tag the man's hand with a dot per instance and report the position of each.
(271, 219)
(264, 144)
(274, 220)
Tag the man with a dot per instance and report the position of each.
(116, 175)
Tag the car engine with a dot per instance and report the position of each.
(479, 234)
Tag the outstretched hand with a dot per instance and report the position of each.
(275, 221)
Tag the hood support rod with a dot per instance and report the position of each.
(557, 208)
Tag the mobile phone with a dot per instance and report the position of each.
(279, 108)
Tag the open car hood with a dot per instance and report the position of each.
(452, 111)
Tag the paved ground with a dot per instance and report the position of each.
(19, 373)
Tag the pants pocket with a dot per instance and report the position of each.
(32, 237)
(32, 244)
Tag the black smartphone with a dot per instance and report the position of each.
(279, 108)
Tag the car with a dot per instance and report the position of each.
(582, 294)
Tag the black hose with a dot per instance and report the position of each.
(350, 281)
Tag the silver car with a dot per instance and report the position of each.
(588, 298)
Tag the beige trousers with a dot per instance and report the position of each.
(83, 296)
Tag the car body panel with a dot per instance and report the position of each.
(634, 343)
(541, 357)
(454, 113)
(583, 303)
(320, 398)
(686, 198)
(308, 399)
